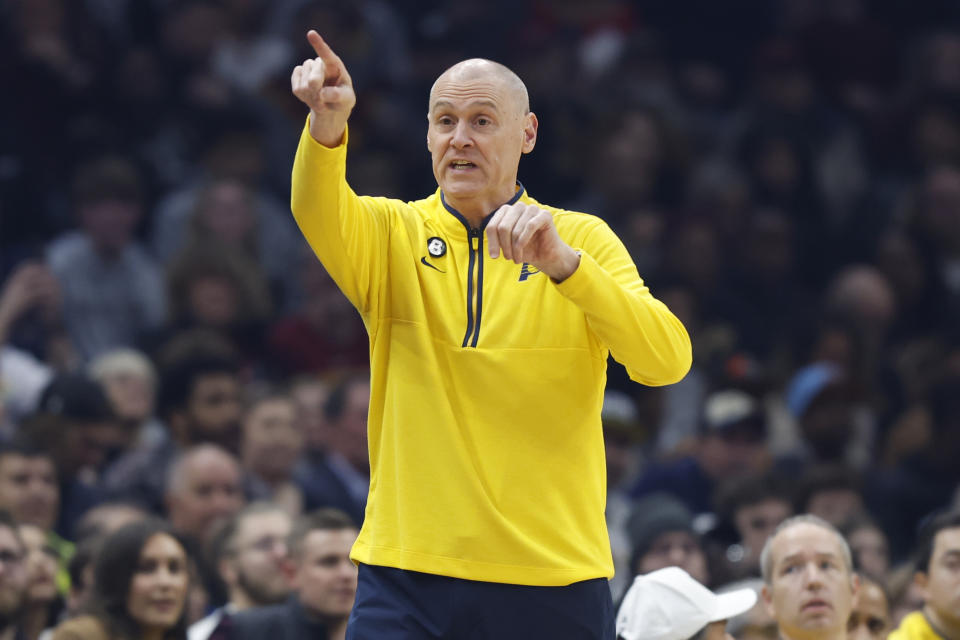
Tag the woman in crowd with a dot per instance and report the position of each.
(142, 577)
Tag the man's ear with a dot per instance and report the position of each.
(227, 573)
(530, 126)
(922, 580)
(855, 584)
(767, 596)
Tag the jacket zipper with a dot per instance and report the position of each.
(474, 288)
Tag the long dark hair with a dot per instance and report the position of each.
(114, 570)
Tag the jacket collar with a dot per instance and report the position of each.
(456, 223)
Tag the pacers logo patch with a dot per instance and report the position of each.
(436, 247)
(526, 271)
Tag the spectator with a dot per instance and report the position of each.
(662, 535)
(325, 335)
(938, 577)
(754, 506)
(29, 490)
(75, 422)
(142, 577)
(270, 448)
(42, 603)
(249, 553)
(216, 288)
(340, 476)
(732, 441)
(870, 618)
(324, 581)
(204, 486)
(833, 493)
(130, 381)
(200, 401)
(868, 543)
(668, 604)
(810, 584)
(112, 289)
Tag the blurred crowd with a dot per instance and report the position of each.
(785, 173)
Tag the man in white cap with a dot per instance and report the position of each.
(668, 604)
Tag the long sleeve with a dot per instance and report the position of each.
(347, 232)
(640, 331)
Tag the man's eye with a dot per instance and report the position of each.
(483, 122)
(876, 626)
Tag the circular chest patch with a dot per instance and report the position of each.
(436, 247)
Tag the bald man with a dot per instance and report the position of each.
(490, 318)
(204, 486)
(809, 583)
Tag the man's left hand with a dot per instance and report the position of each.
(526, 233)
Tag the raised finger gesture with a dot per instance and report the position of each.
(323, 84)
(527, 233)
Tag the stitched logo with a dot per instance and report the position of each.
(424, 261)
(436, 247)
(526, 271)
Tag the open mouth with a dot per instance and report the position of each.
(462, 165)
(816, 605)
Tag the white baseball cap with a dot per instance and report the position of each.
(668, 604)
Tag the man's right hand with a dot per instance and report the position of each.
(324, 85)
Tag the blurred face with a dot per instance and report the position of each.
(676, 549)
(870, 548)
(158, 590)
(941, 584)
(476, 135)
(110, 223)
(325, 577)
(214, 410)
(29, 490)
(227, 214)
(131, 395)
(310, 398)
(811, 589)
(213, 300)
(209, 490)
(870, 619)
(835, 505)
(13, 577)
(733, 455)
(756, 522)
(349, 432)
(42, 561)
(260, 549)
(271, 440)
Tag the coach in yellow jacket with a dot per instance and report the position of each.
(490, 318)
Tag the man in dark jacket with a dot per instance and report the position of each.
(324, 581)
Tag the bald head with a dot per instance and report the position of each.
(482, 69)
(203, 486)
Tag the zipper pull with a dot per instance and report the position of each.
(475, 239)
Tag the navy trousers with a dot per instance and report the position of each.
(394, 604)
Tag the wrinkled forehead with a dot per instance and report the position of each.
(806, 541)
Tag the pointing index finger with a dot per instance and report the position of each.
(322, 49)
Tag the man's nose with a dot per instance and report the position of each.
(461, 135)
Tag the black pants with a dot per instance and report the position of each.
(393, 604)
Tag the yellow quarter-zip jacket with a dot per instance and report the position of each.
(487, 379)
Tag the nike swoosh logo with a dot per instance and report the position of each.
(424, 261)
